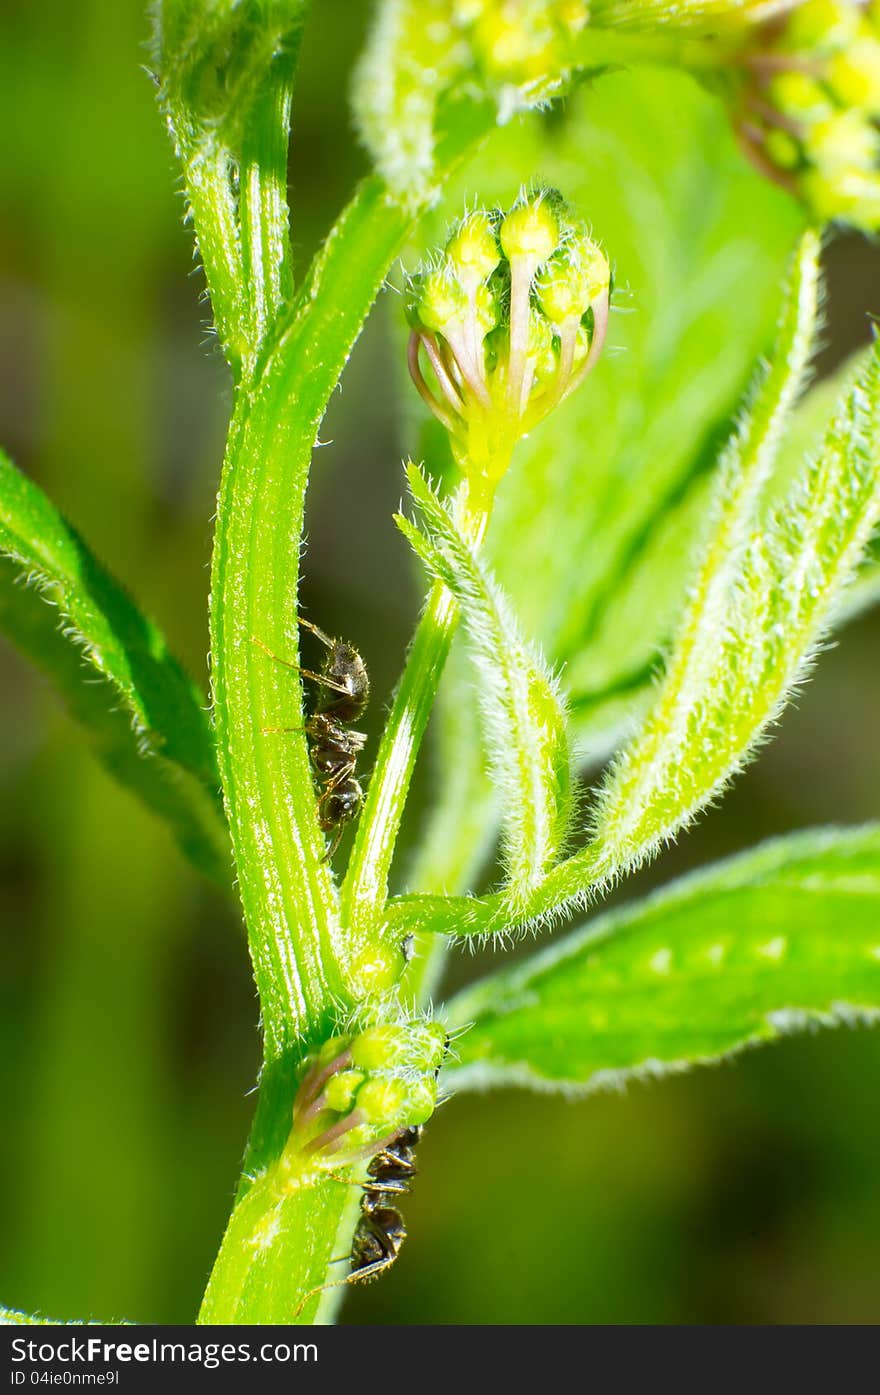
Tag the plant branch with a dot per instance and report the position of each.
(366, 885)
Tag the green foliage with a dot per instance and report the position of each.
(613, 533)
(708, 15)
(147, 718)
(10, 1318)
(522, 710)
(742, 649)
(772, 941)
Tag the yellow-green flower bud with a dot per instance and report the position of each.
(783, 149)
(822, 24)
(854, 74)
(503, 312)
(487, 309)
(380, 1101)
(574, 14)
(844, 141)
(415, 1046)
(800, 96)
(442, 300)
(473, 250)
(852, 195)
(420, 1102)
(573, 278)
(530, 231)
(341, 1088)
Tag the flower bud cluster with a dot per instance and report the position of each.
(511, 317)
(811, 108)
(521, 48)
(362, 1089)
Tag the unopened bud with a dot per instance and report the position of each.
(473, 250)
(441, 300)
(848, 194)
(380, 1101)
(844, 141)
(339, 1094)
(530, 231)
(822, 24)
(854, 74)
(412, 1045)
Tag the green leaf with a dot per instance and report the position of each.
(611, 681)
(729, 957)
(523, 714)
(746, 640)
(148, 719)
(9, 1317)
(708, 16)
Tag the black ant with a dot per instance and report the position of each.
(333, 746)
(381, 1230)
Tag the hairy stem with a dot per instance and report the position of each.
(366, 885)
(284, 1234)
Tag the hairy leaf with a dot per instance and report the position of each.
(743, 646)
(523, 714)
(729, 957)
(9, 1317)
(610, 683)
(113, 668)
(708, 15)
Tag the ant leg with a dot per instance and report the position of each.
(319, 634)
(360, 1276)
(331, 851)
(324, 682)
(272, 655)
(274, 731)
(306, 672)
(337, 780)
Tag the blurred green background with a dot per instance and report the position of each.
(128, 1021)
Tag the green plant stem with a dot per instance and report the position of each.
(282, 1239)
(366, 885)
(264, 209)
(286, 886)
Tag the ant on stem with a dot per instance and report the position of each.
(333, 746)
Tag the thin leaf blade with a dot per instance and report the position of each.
(112, 667)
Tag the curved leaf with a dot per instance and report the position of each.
(727, 958)
(113, 668)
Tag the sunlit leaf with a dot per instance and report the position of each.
(112, 667)
(729, 957)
